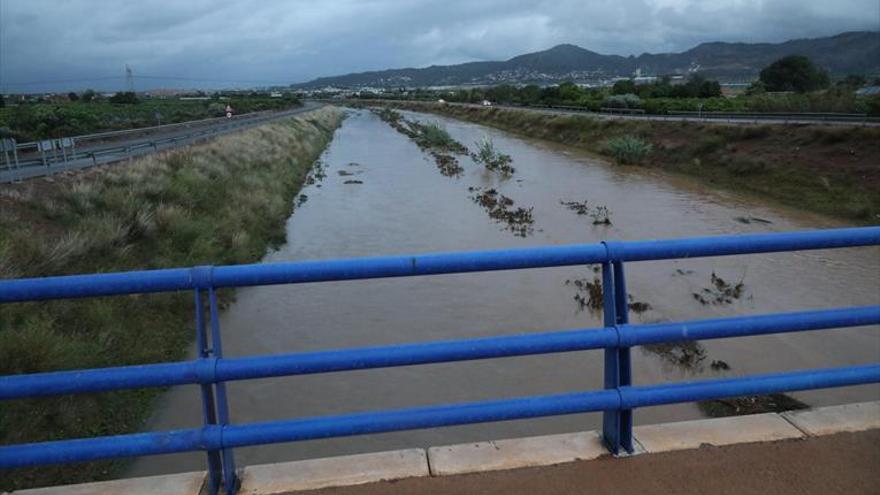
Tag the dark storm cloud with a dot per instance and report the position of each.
(246, 42)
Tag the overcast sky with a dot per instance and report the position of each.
(249, 42)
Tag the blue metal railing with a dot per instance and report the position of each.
(617, 400)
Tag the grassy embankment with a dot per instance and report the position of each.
(825, 169)
(221, 202)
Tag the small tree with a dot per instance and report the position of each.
(570, 92)
(794, 73)
(88, 95)
(530, 94)
(623, 87)
(72, 96)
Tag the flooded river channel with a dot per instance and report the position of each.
(382, 195)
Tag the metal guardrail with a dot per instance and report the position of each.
(218, 437)
(817, 117)
(784, 116)
(58, 155)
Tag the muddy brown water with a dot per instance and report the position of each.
(405, 205)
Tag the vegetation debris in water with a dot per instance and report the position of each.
(493, 159)
(719, 365)
(353, 181)
(637, 307)
(720, 292)
(689, 355)
(749, 220)
(589, 295)
(431, 137)
(447, 164)
(751, 404)
(500, 208)
(317, 174)
(600, 214)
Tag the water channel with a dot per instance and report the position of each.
(404, 205)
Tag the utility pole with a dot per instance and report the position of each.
(129, 79)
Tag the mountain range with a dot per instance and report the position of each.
(845, 53)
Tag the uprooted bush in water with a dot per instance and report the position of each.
(500, 208)
(493, 159)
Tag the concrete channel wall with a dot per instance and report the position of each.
(498, 454)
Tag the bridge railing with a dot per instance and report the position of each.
(218, 437)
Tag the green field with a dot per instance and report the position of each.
(32, 121)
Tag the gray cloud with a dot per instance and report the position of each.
(245, 42)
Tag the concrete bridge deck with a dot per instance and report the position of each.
(840, 463)
(825, 450)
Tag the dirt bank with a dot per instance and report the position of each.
(830, 170)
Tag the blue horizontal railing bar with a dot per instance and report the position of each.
(743, 326)
(230, 369)
(672, 393)
(74, 286)
(217, 437)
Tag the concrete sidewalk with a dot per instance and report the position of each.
(841, 463)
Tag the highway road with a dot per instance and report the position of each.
(97, 149)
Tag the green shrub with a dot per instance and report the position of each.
(491, 158)
(628, 149)
(433, 134)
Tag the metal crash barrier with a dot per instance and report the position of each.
(619, 397)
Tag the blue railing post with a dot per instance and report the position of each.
(230, 480)
(616, 424)
(621, 310)
(209, 413)
(215, 407)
